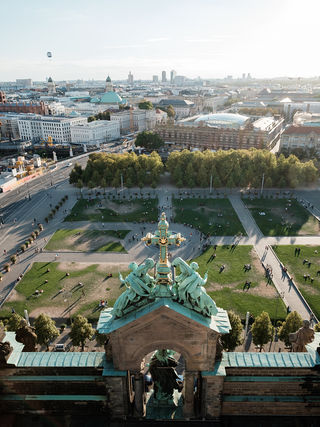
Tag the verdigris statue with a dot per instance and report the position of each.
(164, 376)
(189, 288)
(304, 336)
(139, 284)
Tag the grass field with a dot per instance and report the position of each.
(210, 216)
(87, 240)
(278, 221)
(114, 211)
(296, 268)
(72, 299)
(226, 288)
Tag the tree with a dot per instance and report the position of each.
(14, 322)
(317, 327)
(81, 330)
(170, 111)
(45, 329)
(101, 338)
(262, 330)
(149, 140)
(292, 323)
(145, 105)
(231, 340)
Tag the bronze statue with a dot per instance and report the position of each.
(304, 336)
(27, 336)
(5, 351)
(164, 376)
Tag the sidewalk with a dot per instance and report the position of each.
(288, 293)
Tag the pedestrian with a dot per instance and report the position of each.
(318, 273)
(309, 264)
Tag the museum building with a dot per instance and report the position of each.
(221, 131)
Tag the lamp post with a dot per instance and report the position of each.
(210, 183)
(262, 182)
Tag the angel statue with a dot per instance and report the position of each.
(139, 285)
(189, 288)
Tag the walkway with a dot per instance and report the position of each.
(291, 296)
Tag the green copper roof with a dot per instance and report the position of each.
(61, 359)
(219, 322)
(17, 347)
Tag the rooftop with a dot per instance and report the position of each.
(223, 120)
(301, 130)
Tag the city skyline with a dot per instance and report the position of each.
(211, 39)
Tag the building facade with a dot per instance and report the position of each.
(96, 132)
(39, 128)
(305, 137)
(138, 120)
(200, 135)
(22, 107)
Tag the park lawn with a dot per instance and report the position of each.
(86, 240)
(226, 288)
(72, 300)
(210, 216)
(279, 222)
(296, 268)
(114, 211)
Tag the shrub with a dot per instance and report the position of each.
(36, 232)
(33, 235)
(27, 243)
(13, 259)
(7, 267)
(23, 248)
(40, 227)
(46, 219)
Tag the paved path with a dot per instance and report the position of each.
(291, 297)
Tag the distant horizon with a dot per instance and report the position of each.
(244, 80)
(207, 38)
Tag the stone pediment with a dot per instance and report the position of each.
(164, 324)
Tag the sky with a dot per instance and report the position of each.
(90, 39)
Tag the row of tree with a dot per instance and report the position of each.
(107, 170)
(262, 330)
(147, 105)
(239, 168)
(105, 115)
(46, 330)
(81, 330)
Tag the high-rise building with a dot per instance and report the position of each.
(155, 79)
(172, 76)
(163, 76)
(24, 83)
(130, 78)
(51, 86)
(243, 75)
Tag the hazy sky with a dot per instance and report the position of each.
(207, 38)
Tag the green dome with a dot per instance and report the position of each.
(108, 79)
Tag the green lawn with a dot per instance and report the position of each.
(96, 287)
(210, 216)
(114, 211)
(86, 240)
(226, 288)
(296, 268)
(278, 221)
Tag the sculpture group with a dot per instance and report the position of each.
(186, 289)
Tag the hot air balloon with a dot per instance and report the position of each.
(49, 54)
